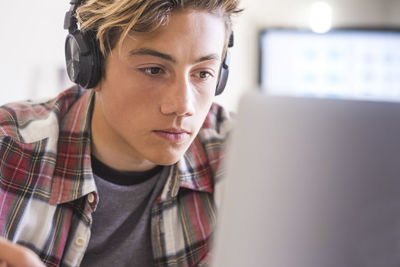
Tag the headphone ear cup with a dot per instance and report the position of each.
(223, 74)
(83, 58)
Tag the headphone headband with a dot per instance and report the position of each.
(70, 21)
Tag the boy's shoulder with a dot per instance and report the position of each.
(29, 121)
(218, 123)
(209, 148)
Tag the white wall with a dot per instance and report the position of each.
(32, 41)
(31, 48)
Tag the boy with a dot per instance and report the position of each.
(125, 173)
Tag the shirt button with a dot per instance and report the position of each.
(79, 241)
(91, 198)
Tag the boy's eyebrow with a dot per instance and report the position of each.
(151, 52)
(208, 57)
(155, 53)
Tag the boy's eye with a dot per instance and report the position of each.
(204, 75)
(152, 70)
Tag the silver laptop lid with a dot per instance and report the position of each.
(312, 182)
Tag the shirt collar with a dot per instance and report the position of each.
(73, 176)
(193, 172)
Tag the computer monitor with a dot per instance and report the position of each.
(343, 63)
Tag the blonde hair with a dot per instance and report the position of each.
(113, 20)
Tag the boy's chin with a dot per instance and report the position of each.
(169, 160)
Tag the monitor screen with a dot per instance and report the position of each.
(345, 63)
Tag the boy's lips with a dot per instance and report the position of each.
(173, 134)
(174, 130)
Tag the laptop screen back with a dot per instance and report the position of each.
(312, 182)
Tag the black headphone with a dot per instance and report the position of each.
(84, 59)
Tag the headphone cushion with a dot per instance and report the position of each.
(223, 78)
(83, 58)
(223, 74)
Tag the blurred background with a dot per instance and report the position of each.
(32, 47)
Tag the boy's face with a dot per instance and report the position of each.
(157, 92)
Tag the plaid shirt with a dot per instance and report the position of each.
(48, 193)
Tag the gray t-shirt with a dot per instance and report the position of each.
(121, 233)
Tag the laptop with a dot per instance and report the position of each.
(311, 183)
